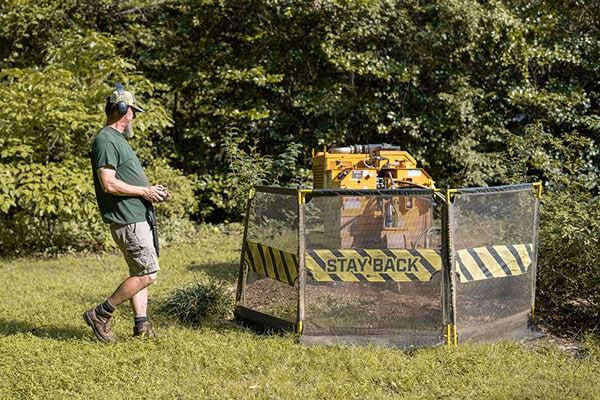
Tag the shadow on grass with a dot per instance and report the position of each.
(9, 328)
(257, 328)
(226, 272)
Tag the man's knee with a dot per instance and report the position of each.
(149, 279)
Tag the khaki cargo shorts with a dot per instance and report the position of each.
(137, 244)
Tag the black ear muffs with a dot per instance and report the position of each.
(121, 105)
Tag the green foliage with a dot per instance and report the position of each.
(449, 81)
(64, 98)
(228, 193)
(203, 303)
(248, 169)
(568, 280)
(48, 209)
(564, 162)
(569, 277)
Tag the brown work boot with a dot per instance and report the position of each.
(101, 325)
(144, 332)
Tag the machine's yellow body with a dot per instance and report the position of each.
(367, 222)
(371, 166)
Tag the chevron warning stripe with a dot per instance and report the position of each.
(373, 265)
(493, 262)
(272, 262)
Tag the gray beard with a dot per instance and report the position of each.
(128, 132)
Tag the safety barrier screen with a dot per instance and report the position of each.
(404, 267)
(270, 252)
(494, 233)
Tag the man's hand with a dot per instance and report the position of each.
(155, 193)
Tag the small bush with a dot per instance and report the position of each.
(205, 302)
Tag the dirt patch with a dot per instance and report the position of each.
(373, 307)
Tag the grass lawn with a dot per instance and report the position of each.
(48, 352)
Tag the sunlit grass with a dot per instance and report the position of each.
(47, 351)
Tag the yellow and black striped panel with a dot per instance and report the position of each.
(272, 262)
(493, 262)
(373, 265)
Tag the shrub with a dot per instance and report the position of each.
(48, 208)
(569, 254)
(223, 195)
(205, 302)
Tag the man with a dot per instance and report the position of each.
(124, 197)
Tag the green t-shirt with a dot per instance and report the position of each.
(110, 148)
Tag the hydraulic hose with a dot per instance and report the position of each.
(363, 148)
